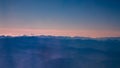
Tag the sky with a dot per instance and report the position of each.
(89, 18)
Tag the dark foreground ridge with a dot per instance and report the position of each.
(59, 52)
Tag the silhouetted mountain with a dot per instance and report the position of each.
(59, 52)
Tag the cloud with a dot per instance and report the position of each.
(59, 52)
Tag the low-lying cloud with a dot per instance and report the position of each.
(59, 52)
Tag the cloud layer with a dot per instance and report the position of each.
(59, 52)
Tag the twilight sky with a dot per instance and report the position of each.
(90, 18)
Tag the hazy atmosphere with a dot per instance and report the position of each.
(89, 18)
(59, 33)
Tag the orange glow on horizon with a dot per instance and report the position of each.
(84, 33)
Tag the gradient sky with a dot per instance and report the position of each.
(90, 18)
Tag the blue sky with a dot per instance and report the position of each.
(71, 15)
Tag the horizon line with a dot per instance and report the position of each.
(59, 36)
